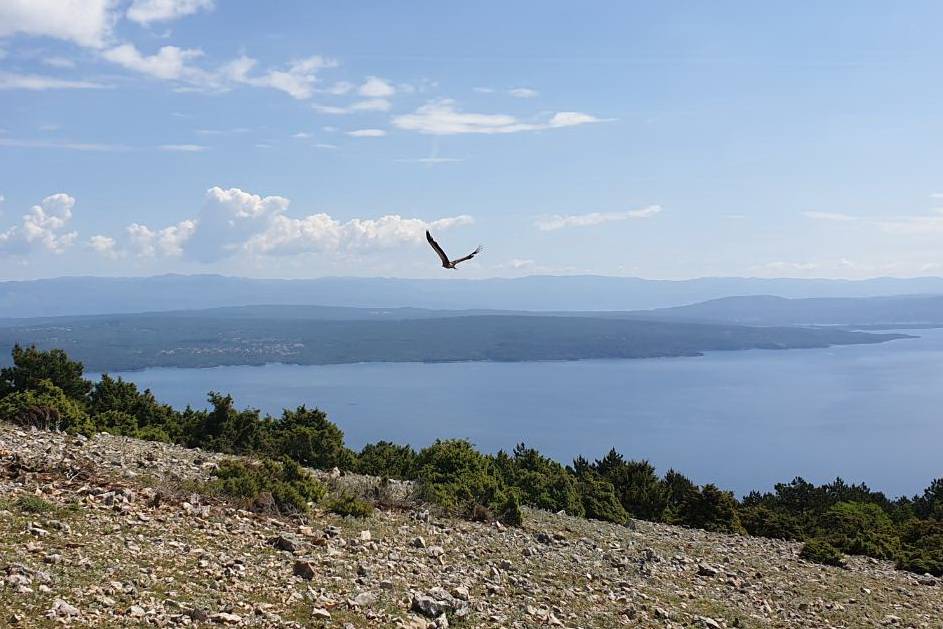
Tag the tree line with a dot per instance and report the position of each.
(48, 390)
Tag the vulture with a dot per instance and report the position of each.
(446, 263)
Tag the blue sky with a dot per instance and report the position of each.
(301, 139)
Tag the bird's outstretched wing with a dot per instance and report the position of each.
(438, 249)
(469, 256)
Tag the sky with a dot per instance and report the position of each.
(307, 139)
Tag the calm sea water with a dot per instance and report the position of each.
(743, 420)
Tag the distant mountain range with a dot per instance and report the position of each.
(100, 295)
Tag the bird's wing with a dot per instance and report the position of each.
(438, 249)
(469, 256)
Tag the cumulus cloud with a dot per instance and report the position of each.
(43, 227)
(375, 87)
(558, 221)
(146, 242)
(104, 245)
(442, 117)
(37, 82)
(233, 222)
(367, 133)
(148, 11)
(321, 232)
(87, 23)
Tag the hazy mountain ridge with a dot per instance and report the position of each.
(772, 310)
(103, 295)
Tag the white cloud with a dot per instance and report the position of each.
(104, 245)
(321, 232)
(829, 216)
(373, 104)
(322, 145)
(169, 241)
(11, 81)
(523, 92)
(233, 222)
(297, 80)
(147, 11)
(183, 148)
(367, 133)
(484, 90)
(558, 221)
(301, 135)
(572, 119)
(375, 87)
(170, 62)
(59, 62)
(441, 117)
(42, 228)
(339, 88)
(85, 22)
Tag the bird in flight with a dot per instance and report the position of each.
(446, 263)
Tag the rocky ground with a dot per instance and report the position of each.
(118, 539)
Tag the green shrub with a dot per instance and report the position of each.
(710, 509)
(33, 504)
(922, 550)
(290, 486)
(307, 436)
(116, 423)
(510, 511)
(859, 528)
(454, 475)
(540, 482)
(45, 406)
(640, 491)
(820, 551)
(761, 521)
(114, 396)
(599, 499)
(345, 504)
(226, 429)
(387, 460)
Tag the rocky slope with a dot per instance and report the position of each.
(118, 539)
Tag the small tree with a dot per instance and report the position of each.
(640, 491)
(453, 474)
(307, 436)
(599, 498)
(387, 460)
(31, 365)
